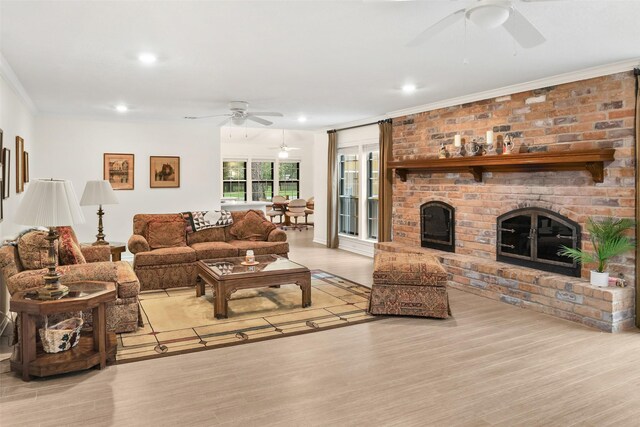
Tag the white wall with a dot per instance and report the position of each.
(238, 143)
(72, 148)
(15, 120)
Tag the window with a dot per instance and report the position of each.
(373, 172)
(348, 192)
(261, 180)
(234, 180)
(289, 180)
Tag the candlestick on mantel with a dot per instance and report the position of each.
(489, 137)
(457, 141)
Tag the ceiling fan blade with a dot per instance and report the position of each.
(523, 30)
(436, 28)
(259, 120)
(291, 148)
(534, 1)
(268, 114)
(224, 122)
(204, 117)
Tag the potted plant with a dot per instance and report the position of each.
(608, 239)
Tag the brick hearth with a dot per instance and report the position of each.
(608, 309)
(588, 114)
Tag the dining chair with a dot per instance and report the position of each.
(277, 208)
(296, 209)
(309, 210)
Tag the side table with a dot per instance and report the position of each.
(31, 360)
(117, 248)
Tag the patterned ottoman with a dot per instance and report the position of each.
(410, 285)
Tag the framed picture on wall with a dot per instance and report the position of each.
(25, 161)
(6, 175)
(164, 172)
(19, 165)
(118, 169)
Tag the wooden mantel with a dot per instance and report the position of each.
(590, 160)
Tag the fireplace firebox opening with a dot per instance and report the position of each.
(437, 226)
(532, 237)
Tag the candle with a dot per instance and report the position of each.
(457, 141)
(489, 137)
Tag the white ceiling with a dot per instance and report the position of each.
(334, 62)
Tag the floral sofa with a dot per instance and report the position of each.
(166, 251)
(22, 267)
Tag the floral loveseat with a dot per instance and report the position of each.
(166, 253)
(21, 265)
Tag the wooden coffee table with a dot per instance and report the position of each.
(227, 275)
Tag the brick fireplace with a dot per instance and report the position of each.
(589, 114)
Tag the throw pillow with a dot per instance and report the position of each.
(166, 234)
(252, 227)
(33, 250)
(68, 249)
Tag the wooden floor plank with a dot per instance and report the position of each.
(491, 364)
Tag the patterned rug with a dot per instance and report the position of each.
(176, 321)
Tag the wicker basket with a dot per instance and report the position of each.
(61, 336)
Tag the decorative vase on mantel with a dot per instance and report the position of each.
(600, 279)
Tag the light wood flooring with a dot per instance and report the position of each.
(491, 364)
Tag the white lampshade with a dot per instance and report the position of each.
(98, 192)
(49, 203)
(489, 15)
(283, 154)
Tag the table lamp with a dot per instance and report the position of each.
(99, 192)
(50, 203)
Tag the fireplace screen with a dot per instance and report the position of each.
(532, 237)
(437, 226)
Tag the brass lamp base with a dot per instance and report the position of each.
(100, 236)
(52, 289)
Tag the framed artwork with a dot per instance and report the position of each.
(6, 175)
(25, 161)
(19, 165)
(164, 172)
(119, 169)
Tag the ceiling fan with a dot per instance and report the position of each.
(489, 14)
(239, 114)
(284, 149)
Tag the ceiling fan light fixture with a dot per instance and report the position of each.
(489, 14)
(283, 154)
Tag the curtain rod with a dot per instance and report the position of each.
(360, 126)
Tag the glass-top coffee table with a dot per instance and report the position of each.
(227, 275)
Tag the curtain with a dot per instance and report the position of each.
(386, 182)
(636, 72)
(332, 191)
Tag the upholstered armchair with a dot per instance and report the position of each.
(22, 267)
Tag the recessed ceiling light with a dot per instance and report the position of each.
(147, 58)
(409, 88)
(122, 108)
(302, 119)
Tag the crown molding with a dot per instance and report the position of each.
(574, 76)
(12, 80)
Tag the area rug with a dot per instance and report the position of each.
(176, 321)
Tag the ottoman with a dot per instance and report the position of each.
(410, 285)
